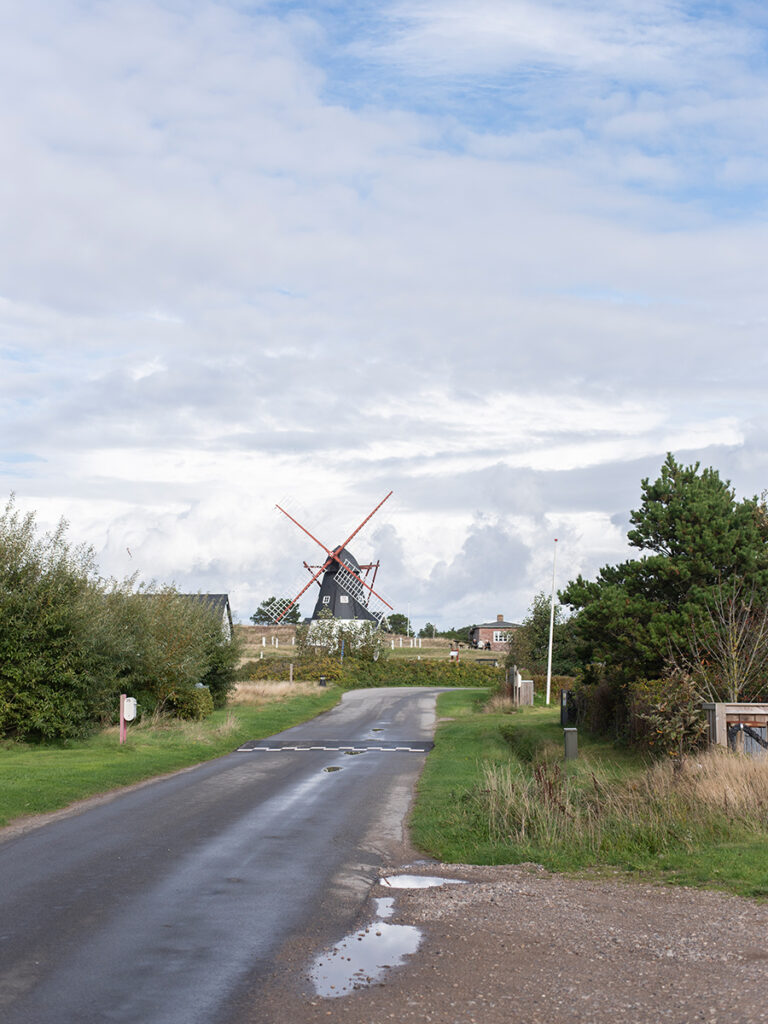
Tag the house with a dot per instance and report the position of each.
(218, 603)
(493, 636)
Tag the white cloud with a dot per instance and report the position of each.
(238, 262)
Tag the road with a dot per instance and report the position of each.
(170, 903)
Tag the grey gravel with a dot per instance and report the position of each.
(518, 944)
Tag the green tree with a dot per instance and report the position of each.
(428, 630)
(395, 622)
(693, 536)
(529, 645)
(70, 642)
(180, 643)
(271, 607)
(51, 685)
(460, 634)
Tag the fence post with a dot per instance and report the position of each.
(571, 739)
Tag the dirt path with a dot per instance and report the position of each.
(519, 945)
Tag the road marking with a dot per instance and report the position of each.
(358, 746)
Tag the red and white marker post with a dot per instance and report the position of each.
(122, 718)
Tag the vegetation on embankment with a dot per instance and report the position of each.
(495, 791)
(36, 778)
(357, 673)
(71, 642)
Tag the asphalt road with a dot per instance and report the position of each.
(170, 903)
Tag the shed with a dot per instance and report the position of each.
(493, 636)
(741, 727)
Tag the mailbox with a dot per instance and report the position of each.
(129, 709)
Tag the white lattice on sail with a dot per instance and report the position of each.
(278, 608)
(351, 584)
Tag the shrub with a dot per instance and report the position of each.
(384, 672)
(51, 686)
(665, 715)
(429, 672)
(70, 642)
(194, 704)
(308, 666)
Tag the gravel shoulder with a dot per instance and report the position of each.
(517, 944)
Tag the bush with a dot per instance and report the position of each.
(193, 705)
(305, 667)
(665, 715)
(51, 685)
(384, 672)
(557, 684)
(70, 642)
(429, 672)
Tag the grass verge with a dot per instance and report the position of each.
(495, 791)
(35, 779)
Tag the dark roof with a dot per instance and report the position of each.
(216, 602)
(497, 625)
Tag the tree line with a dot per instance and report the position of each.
(71, 642)
(684, 621)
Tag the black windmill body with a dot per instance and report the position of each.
(342, 592)
(346, 586)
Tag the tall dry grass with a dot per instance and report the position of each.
(499, 703)
(702, 797)
(266, 691)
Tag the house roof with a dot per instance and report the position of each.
(497, 625)
(216, 602)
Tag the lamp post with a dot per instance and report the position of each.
(551, 624)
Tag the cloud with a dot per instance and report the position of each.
(499, 260)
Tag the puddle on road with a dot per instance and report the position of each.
(332, 768)
(353, 752)
(419, 881)
(377, 730)
(385, 906)
(361, 959)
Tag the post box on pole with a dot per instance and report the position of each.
(127, 714)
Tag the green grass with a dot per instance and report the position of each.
(35, 779)
(601, 815)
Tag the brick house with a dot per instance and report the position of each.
(493, 636)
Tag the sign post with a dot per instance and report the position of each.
(127, 714)
(551, 625)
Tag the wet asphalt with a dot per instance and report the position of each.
(171, 903)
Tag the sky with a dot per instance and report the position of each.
(497, 257)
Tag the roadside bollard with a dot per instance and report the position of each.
(571, 737)
(322, 681)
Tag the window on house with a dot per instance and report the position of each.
(500, 637)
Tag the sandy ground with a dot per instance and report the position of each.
(517, 944)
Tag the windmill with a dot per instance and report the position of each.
(345, 590)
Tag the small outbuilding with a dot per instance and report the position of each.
(493, 636)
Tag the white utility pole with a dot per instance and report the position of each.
(551, 624)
